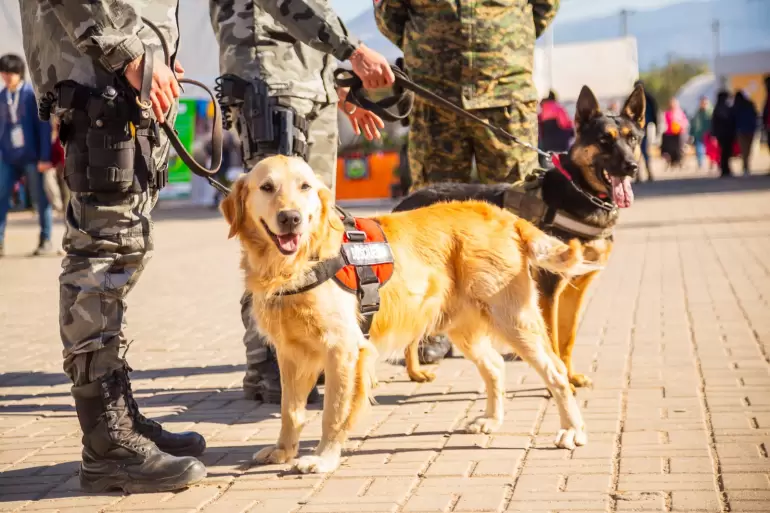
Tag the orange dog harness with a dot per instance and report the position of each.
(365, 264)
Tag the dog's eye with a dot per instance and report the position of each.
(267, 187)
(606, 140)
(305, 186)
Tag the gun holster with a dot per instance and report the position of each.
(108, 140)
(267, 125)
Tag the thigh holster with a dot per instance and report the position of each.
(266, 124)
(109, 140)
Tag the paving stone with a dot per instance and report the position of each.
(673, 291)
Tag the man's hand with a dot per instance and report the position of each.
(360, 119)
(164, 89)
(42, 167)
(371, 67)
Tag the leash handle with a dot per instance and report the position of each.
(402, 87)
(216, 129)
(403, 101)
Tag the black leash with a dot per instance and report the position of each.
(216, 130)
(403, 98)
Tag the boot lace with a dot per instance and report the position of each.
(119, 417)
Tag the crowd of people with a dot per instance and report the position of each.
(717, 134)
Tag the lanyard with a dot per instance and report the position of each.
(13, 103)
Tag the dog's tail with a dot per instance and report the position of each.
(549, 253)
(366, 380)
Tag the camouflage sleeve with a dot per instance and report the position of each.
(105, 30)
(543, 11)
(391, 17)
(316, 25)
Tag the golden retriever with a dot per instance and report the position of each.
(461, 268)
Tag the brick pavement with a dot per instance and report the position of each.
(675, 337)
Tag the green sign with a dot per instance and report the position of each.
(356, 169)
(178, 174)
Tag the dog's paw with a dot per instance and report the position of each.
(272, 454)
(312, 464)
(484, 425)
(570, 438)
(422, 376)
(580, 381)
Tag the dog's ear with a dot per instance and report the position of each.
(327, 209)
(233, 206)
(587, 107)
(635, 106)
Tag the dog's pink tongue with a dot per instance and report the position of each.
(288, 243)
(622, 194)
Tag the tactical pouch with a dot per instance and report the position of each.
(111, 158)
(266, 126)
(105, 152)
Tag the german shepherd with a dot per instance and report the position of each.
(588, 184)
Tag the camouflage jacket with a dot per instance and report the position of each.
(88, 41)
(252, 44)
(476, 53)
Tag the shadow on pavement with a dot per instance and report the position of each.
(34, 378)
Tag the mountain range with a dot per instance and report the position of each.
(682, 30)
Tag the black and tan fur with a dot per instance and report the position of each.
(604, 144)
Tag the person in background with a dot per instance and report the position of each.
(25, 149)
(745, 126)
(650, 118)
(57, 160)
(677, 126)
(723, 129)
(554, 125)
(700, 123)
(614, 108)
(479, 56)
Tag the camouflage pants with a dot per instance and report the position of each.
(322, 157)
(108, 242)
(442, 144)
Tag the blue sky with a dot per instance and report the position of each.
(570, 9)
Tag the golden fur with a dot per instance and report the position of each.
(460, 268)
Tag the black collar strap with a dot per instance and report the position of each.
(532, 208)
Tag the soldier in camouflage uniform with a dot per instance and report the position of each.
(109, 240)
(253, 46)
(478, 55)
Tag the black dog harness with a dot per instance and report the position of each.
(365, 264)
(525, 198)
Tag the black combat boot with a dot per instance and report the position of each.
(263, 382)
(115, 454)
(432, 349)
(188, 443)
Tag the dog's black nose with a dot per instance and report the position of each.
(289, 219)
(632, 167)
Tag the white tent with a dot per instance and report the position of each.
(609, 67)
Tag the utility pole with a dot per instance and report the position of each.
(715, 32)
(624, 22)
(549, 55)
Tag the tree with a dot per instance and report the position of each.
(663, 82)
